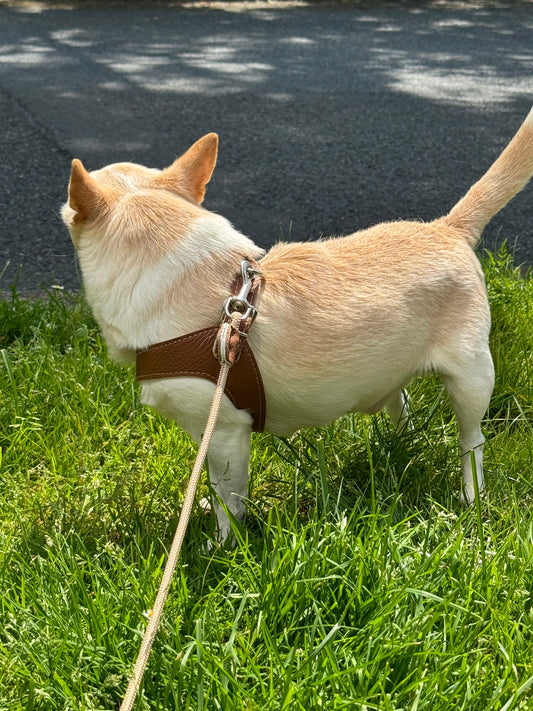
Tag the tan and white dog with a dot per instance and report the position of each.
(344, 324)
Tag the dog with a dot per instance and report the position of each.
(343, 323)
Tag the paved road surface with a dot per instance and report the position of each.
(330, 118)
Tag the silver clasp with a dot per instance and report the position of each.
(240, 302)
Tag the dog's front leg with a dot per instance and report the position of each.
(228, 459)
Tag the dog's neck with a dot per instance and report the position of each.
(181, 291)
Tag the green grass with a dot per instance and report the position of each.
(359, 582)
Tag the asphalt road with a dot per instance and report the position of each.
(330, 118)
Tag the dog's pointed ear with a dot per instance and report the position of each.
(86, 196)
(190, 173)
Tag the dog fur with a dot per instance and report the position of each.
(344, 324)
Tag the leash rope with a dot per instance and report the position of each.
(166, 580)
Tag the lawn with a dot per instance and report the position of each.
(359, 581)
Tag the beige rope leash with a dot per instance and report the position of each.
(162, 593)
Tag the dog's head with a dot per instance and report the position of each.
(122, 195)
(146, 246)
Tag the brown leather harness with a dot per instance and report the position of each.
(192, 355)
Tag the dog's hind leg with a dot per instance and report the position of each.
(228, 460)
(470, 389)
(397, 405)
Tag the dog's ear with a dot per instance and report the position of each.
(86, 196)
(190, 173)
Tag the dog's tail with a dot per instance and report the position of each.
(506, 177)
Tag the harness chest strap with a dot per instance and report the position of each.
(192, 356)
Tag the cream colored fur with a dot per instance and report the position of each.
(344, 324)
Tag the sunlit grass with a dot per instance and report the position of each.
(359, 582)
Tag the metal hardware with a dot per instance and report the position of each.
(240, 302)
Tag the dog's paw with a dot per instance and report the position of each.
(468, 496)
(205, 506)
